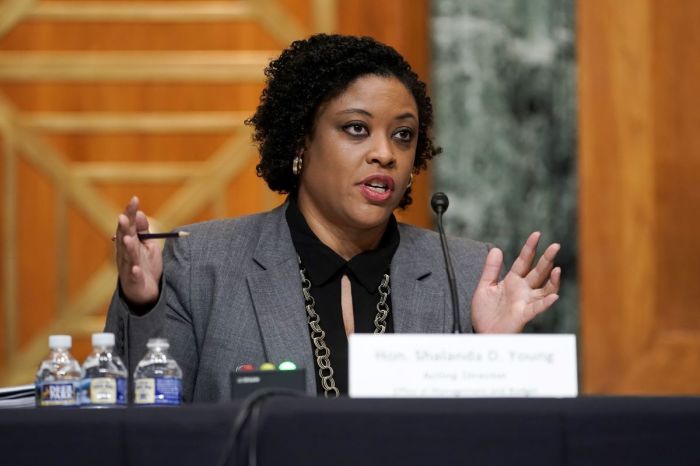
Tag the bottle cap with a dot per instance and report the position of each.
(287, 366)
(267, 366)
(60, 341)
(157, 343)
(102, 339)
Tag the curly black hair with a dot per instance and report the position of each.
(310, 73)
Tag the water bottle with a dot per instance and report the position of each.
(104, 375)
(58, 377)
(158, 378)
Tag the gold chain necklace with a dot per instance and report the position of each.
(318, 336)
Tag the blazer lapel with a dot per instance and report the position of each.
(275, 290)
(417, 305)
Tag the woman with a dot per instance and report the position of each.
(343, 126)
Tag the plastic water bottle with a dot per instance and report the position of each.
(104, 382)
(158, 378)
(58, 377)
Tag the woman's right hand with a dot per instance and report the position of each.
(140, 263)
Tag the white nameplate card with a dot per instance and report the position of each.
(462, 366)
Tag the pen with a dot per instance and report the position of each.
(172, 234)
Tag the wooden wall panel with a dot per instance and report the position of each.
(676, 72)
(36, 250)
(8, 262)
(87, 120)
(639, 166)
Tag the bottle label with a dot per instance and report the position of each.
(104, 391)
(158, 391)
(59, 393)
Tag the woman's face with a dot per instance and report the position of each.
(358, 159)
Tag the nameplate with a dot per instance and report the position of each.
(462, 366)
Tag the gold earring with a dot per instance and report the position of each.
(296, 165)
(410, 181)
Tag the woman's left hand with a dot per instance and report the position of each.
(505, 306)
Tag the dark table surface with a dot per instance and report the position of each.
(313, 431)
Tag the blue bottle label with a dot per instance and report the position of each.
(158, 391)
(103, 391)
(57, 393)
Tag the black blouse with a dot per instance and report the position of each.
(324, 269)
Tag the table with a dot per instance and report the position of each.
(312, 431)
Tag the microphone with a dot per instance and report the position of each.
(439, 202)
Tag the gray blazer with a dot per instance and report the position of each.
(231, 294)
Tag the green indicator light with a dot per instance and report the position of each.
(267, 366)
(287, 366)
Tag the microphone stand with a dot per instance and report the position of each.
(439, 202)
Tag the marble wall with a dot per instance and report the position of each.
(504, 91)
